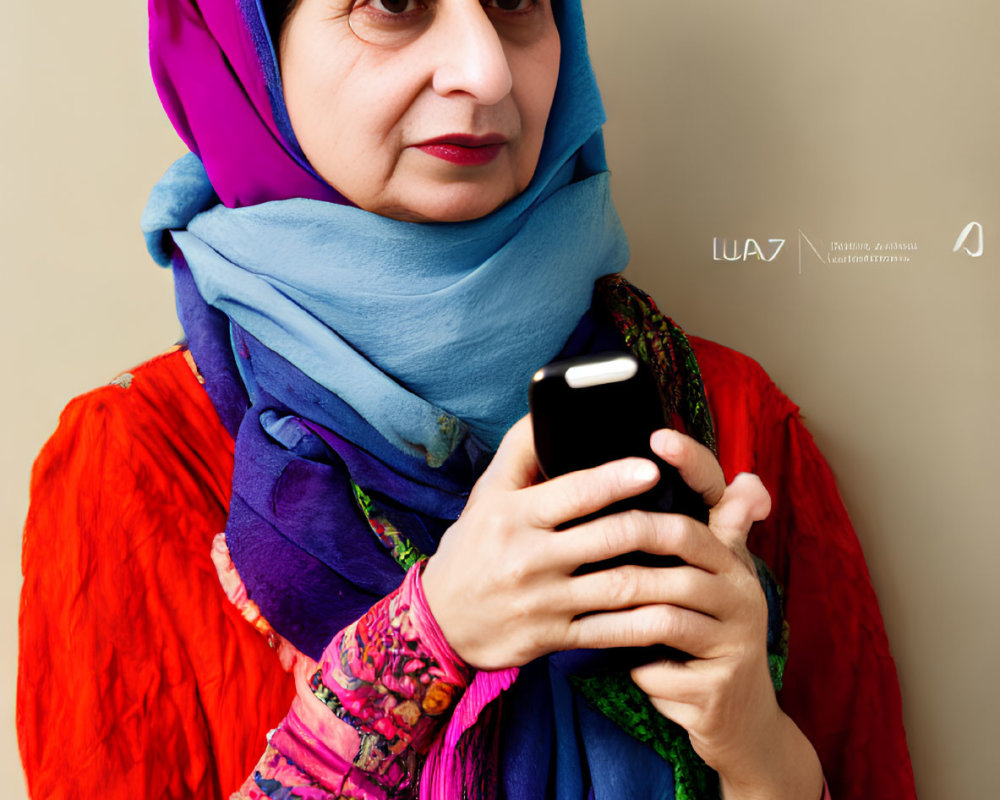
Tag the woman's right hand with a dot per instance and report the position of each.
(501, 585)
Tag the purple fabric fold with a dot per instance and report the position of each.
(303, 543)
(210, 81)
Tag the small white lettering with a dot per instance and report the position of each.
(724, 249)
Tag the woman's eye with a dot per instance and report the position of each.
(509, 5)
(394, 6)
(390, 23)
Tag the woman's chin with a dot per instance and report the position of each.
(459, 202)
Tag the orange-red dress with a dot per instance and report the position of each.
(138, 679)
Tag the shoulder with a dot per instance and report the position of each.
(145, 454)
(137, 474)
(730, 374)
(121, 608)
(749, 411)
(146, 447)
(153, 417)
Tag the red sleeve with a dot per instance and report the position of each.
(136, 676)
(840, 682)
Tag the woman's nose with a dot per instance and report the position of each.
(471, 57)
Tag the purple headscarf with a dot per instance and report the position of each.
(214, 70)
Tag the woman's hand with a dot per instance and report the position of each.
(501, 585)
(502, 589)
(724, 697)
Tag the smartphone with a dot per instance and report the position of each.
(590, 410)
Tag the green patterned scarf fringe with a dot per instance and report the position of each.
(657, 341)
(403, 551)
(660, 343)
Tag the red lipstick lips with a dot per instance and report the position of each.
(463, 149)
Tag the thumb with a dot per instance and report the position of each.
(514, 466)
(744, 502)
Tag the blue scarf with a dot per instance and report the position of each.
(420, 329)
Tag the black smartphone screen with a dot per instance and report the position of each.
(591, 410)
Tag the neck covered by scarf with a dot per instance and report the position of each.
(422, 330)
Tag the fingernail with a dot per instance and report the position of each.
(645, 472)
(665, 441)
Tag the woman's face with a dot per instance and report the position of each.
(421, 109)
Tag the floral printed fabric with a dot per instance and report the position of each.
(380, 694)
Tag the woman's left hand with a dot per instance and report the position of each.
(723, 696)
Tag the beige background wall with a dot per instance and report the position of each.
(819, 124)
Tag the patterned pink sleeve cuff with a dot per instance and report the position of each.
(388, 682)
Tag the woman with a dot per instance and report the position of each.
(364, 367)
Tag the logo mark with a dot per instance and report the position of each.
(750, 250)
(974, 232)
(804, 238)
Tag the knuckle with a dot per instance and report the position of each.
(640, 630)
(571, 494)
(617, 483)
(637, 529)
(758, 486)
(630, 530)
(520, 609)
(617, 530)
(682, 445)
(621, 586)
(514, 573)
(610, 536)
(576, 634)
(668, 626)
(672, 535)
(494, 522)
(751, 490)
(671, 532)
